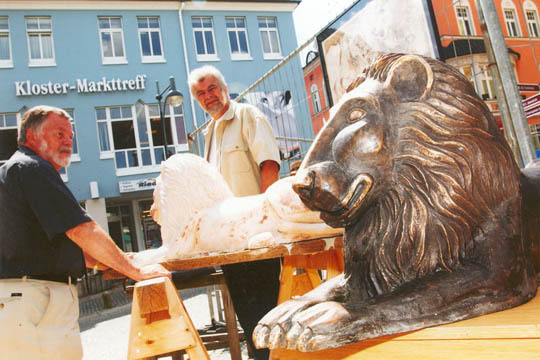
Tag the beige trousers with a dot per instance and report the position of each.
(39, 320)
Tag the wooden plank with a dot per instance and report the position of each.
(296, 248)
(510, 334)
(482, 349)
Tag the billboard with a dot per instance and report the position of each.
(369, 27)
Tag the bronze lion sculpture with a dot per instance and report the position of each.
(414, 167)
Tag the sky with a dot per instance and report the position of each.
(310, 16)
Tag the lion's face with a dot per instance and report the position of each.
(349, 165)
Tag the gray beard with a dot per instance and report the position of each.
(63, 162)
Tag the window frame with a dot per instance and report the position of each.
(533, 26)
(40, 32)
(206, 56)
(513, 28)
(273, 55)
(6, 63)
(237, 30)
(112, 60)
(150, 58)
(140, 168)
(463, 21)
(15, 127)
(75, 155)
(315, 98)
(535, 135)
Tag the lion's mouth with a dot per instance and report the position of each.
(350, 203)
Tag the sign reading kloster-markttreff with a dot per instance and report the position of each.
(28, 88)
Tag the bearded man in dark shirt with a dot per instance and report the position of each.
(46, 240)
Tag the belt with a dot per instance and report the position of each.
(57, 278)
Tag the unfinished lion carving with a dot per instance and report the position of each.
(198, 214)
(413, 165)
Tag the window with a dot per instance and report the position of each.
(532, 23)
(535, 134)
(481, 80)
(112, 40)
(269, 37)
(316, 100)
(40, 41)
(464, 20)
(5, 44)
(238, 41)
(486, 82)
(75, 147)
(511, 23)
(132, 135)
(8, 136)
(203, 31)
(150, 39)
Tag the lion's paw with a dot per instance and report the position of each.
(300, 325)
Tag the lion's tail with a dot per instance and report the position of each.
(530, 211)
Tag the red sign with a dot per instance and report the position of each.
(528, 87)
(533, 110)
(531, 100)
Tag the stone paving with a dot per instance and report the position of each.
(92, 304)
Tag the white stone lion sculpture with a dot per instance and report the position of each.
(199, 214)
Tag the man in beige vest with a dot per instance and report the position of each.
(240, 142)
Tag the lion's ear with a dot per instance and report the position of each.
(411, 78)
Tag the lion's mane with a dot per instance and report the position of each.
(452, 172)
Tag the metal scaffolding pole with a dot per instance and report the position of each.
(509, 84)
(506, 118)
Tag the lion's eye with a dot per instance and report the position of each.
(356, 115)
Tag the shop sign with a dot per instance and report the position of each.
(137, 185)
(528, 87)
(82, 86)
(531, 105)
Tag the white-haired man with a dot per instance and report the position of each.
(240, 142)
(46, 239)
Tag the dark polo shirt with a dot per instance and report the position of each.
(36, 209)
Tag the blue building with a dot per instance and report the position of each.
(103, 61)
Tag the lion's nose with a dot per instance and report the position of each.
(304, 184)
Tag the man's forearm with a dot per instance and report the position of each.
(269, 174)
(98, 246)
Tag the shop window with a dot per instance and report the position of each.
(40, 41)
(8, 136)
(150, 39)
(112, 40)
(315, 98)
(535, 135)
(269, 37)
(151, 230)
(464, 20)
(203, 31)
(238, 40)
(5, 43)
(120, 228)
(132, 135)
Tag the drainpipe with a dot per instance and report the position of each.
(192, 102)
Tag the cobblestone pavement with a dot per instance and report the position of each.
(93, 304)
(105, 331)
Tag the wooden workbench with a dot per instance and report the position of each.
(511, 334)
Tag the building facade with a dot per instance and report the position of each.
(463, 47)
(316, 89)
(105, 62)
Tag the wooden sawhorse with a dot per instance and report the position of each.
(160, 323)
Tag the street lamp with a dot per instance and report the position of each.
(174, 98)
